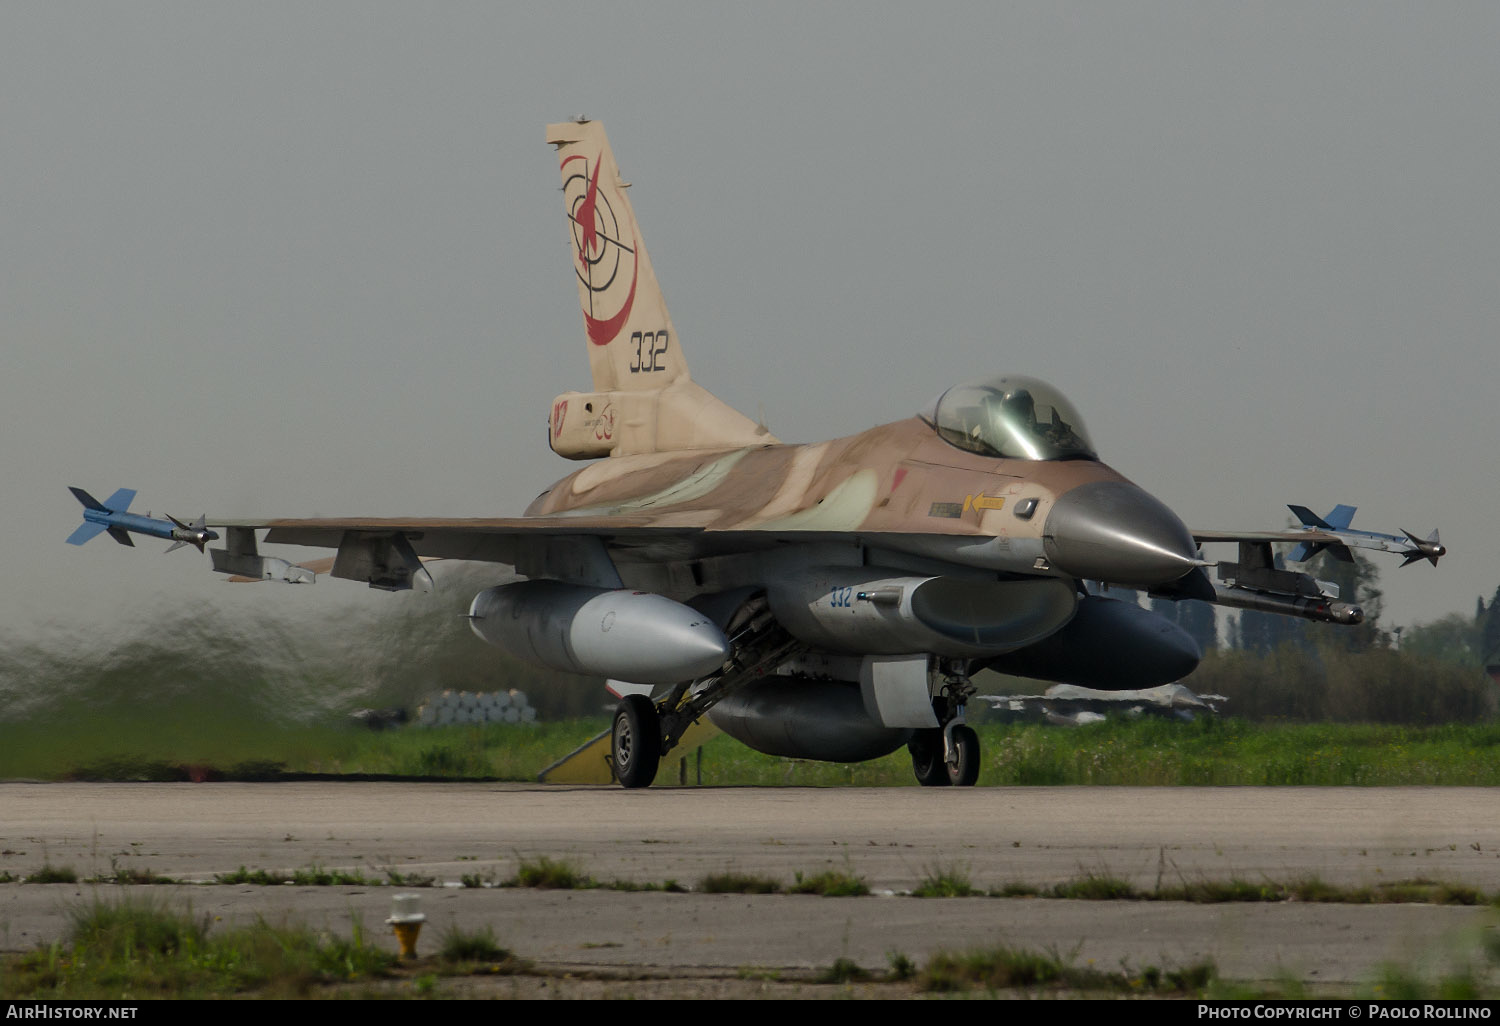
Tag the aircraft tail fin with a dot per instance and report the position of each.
(643, 399)
(632, 345)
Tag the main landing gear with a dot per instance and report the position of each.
(644, 730)
(949, 754)
(635, 741)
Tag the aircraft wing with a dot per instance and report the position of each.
(1255, 581)
(1289, 535)
(388, 552)
(1333, 534)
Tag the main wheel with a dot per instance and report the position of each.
(635, 742)
(964, 770)
(926, 748)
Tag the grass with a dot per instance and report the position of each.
(946, 882)
(1207, 752)
(843, 970)
(831, 883)
(50, 874)
(129, 876)
(738, 883)
(396, 878)
(312, 876)
(1008, 968)
(940, 881)
(902, 967)
(552, 874)
(460, 947)
(1103, 887)
(1094, 887)
(84, 748)
(140, 948)
(254, 877)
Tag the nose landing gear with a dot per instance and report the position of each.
(947, 755)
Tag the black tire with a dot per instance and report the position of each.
(926, 748)
(965, 773)
(635, 741)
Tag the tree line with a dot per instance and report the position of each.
(1278, 667)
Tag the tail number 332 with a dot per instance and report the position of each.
(649, 351)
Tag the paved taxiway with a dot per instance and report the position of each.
(890, 837)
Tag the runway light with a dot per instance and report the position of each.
(407, 919)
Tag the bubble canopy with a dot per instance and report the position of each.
(1011, 417)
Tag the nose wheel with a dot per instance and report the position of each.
(635, 741)
(962, 762)
(936, 765)
(947, 755)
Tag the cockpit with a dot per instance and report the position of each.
(1011, 417)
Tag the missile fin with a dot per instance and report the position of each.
(85, 532)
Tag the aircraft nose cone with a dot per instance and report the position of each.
(1113, 531)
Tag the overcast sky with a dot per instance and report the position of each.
(293, 258)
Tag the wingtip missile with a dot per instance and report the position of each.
(113, 516)
(1337, 523)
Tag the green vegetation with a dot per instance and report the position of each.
(1102, 887)
(902, 967)
(396, 878)
(137, 947)
(831, 883)
(461, 947)
(1220, 752)
(1210, 752)
(546, 873)
(552, 874)
(140, 948)
(945, 882)
(312, 876)
(126, 875)
(843, 970)
(86, 750)
(738, 883)
(1005, 968)
(1094, 887)
(50, 874)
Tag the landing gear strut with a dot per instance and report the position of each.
(644, 730)
(948, 754)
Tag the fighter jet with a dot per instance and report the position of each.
(821, 601)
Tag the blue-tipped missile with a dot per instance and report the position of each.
(113, 515)
(1337, 523)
